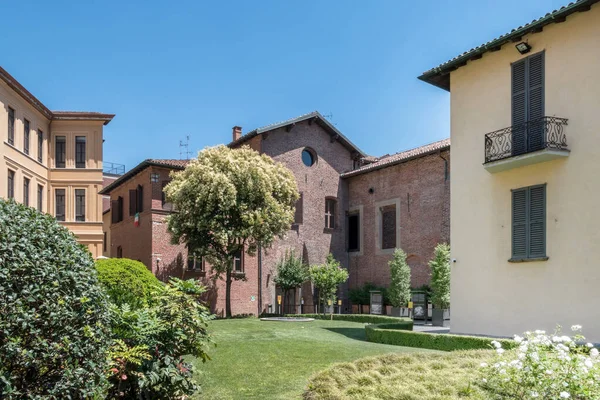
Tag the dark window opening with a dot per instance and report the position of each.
(238, 261)
(308, 157)
(80, 205)
(119, 252)
(388, 227)
(136, 198)
(330, 213)
(353, 232)
(80, 152)
(116, 210)
(40, 146)
(59, 199)
(25, 136)
(40, 198)
(11, 184)
(104, 240)
(195, 262)
(298, 214)
(60, 151)
(11, 126)
(26, 191)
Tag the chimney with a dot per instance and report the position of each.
(237, 132)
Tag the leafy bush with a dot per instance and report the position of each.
(291, 273)
(544, 367)
(127, 281)
(147, 354)
(362, 295)
(445, 342)
(440, 276)
(399, 292)
(53, 313)
(406, 323)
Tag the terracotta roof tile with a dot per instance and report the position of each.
(387, 161)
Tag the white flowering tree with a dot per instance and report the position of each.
(230, 201)
(545, 367)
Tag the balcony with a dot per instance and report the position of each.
(531, 142)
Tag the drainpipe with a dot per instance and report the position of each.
(445, 166)
(259, 279)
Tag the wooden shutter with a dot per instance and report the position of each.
(132, 201)
(299, 210)
(519, 107)
(140, 198)
(114, 211)
(119, 209)
(537, 221)
(519, 223)
(535, 101)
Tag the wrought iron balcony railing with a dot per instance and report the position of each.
(527, 137)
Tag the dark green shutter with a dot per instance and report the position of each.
(537, 221)
(528, 104)
(519, 223)
(132, 201)
(519, 107)
(535, 102)
(529, 222)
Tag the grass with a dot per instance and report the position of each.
(448, 376)
(274, 360)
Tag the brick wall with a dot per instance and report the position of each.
(422, 193)
(310, 239)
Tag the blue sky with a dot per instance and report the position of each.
(174, 68)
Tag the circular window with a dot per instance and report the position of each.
(308, 157)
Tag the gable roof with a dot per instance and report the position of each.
(42, 109)
(313, 116)
(440, 75)
(167, 163)
(403, 156)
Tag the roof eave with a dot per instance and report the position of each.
(440, 76)
(351, 174)
(133, 172)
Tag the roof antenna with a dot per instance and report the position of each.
(184, 148)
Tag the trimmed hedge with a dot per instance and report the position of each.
(398, 323)
(127, 281)
(387, 334)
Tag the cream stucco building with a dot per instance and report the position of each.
(525, 132)
(52, 160)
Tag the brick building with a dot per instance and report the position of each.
(352, 205)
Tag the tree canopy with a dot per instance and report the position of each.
(440, 276)
(399, 292)
(229, 201)
(327, 277)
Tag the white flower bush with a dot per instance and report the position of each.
(544, 367)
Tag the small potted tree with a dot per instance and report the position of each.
(327, 277)
(398, 292)
(440, 284)
(291, 273)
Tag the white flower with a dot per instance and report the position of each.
(483, 365)
(499, 350)
(539, 332)
(589, 345)
(484, 380)
(588, 363)
(548, 372)
(518, 339)
(594, 352)
(534, 394)
(496, 344)
(575, 328)
(564, 395)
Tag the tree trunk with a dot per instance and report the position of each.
(228, 294)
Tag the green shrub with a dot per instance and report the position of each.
(53, 313)
(446, 342)
(406, 323)
(399, 292)
(127, 281)
(150, 343)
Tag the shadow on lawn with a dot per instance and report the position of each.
(352, 333)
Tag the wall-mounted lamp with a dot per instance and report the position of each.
(523, 47)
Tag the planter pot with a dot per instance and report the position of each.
(440, 317)
(355, 309)
(388, 310)
(396, 312)
(365, 309)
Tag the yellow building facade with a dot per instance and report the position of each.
(525, 188)
(52, 160)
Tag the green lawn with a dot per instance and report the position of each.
(273, 360)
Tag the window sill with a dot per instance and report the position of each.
(196, 272)
(328, 230)
(521, 260)
(237, 274)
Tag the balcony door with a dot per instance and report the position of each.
(528, 125)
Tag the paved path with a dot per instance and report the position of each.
(430, 328)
